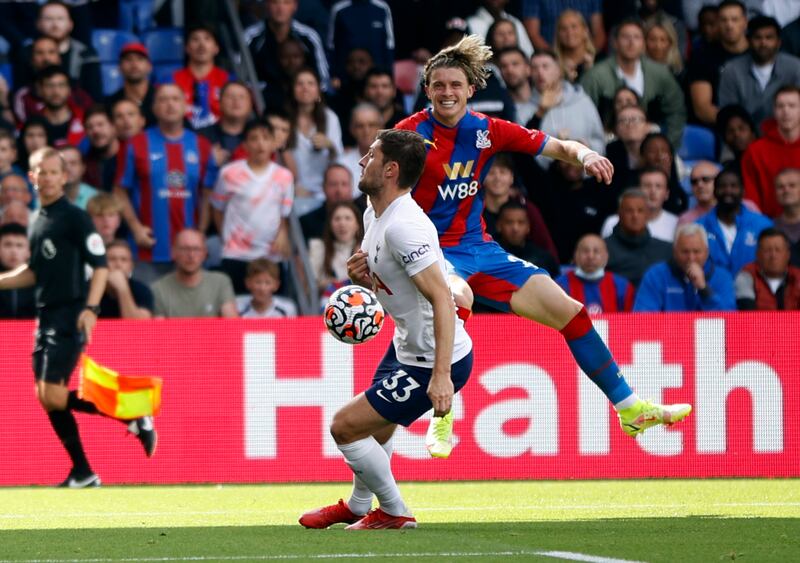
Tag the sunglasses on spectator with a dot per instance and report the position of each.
(704, 179)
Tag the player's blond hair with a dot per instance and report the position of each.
(470, 55)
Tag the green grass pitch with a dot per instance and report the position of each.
(600, 521)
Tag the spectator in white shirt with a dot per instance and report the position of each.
(262, 280)
(660, 223)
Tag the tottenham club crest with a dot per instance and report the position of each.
(482, 140)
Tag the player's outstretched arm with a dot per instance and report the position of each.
(574, 152)
(358, 269)
(18, 278)
(432, 284)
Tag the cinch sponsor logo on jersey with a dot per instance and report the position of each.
(459, 190)
(416, 254)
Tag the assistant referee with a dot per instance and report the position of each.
(63, 243)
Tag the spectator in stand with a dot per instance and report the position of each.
(540, 17)
(652, 82)
(563, 109)
(778, 149)
(769, 283)
(625, 152)
(106, 212)
(652, 13)
(380, 91)
(657, 152)
(32, 137)
(491, 11)
(707, 32)
(8, 154)
(787, 192)
(27, 100)
(15, 212)
(660, 223)
(513, 234)
(191, 291)
(135, 67)
(600, 291)
(355, 24)
(338, 188)
(14, 252)
(341, 238)
(516, 72)
(77, 191)
(753, 81)
(316, 138)
(573, 45)
(292, 57)
(702, 182)
(227, 134)
(690, 281)
(251, 202)
(100, 157)
(14, 187)
(502, 34)
(201, 80)
(128, 119)
(365, 121)
(160, 180)
(736, 129)
(265, 38)
(357, 64)
(79, 61)
(125, 297)
(661, 45)
(263, 279)
(499, 189)
(703, 72)
(732, 228)
(631, 247)
(64, 121)
(282, 131)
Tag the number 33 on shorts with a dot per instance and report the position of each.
(398, 386)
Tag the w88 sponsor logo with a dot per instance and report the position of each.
(460, 190)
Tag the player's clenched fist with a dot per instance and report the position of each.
(358, 269)
(599, 166)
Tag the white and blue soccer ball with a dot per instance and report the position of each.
(353, 314)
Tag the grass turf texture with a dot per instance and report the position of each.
(711, 520)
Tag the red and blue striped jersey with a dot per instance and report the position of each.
(202, 96)
(164, 179)
(450, 188)
(609, 294)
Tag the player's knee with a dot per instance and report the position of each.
(51, 402)
(341, 430)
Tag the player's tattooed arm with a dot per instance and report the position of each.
(593, 163)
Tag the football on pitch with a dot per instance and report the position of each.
(353, 314)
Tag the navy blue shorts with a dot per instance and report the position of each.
(399, 392)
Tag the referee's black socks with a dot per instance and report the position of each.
(66, 428)
(74, 403)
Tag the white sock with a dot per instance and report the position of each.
(361, 498)
(370, 463)
(627, 402)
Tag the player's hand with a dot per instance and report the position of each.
(86, 322)
(600, 167)
(696, 276)
(320, 141)
(440, 392)
(143, 236)
(358, 269)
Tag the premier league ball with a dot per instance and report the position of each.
(353, 314)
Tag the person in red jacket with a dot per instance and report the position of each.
(778, 149)
(769, 283)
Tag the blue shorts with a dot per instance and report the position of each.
(399, 392)
(492, 273)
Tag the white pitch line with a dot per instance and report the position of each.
(266, 510)
(564, 555)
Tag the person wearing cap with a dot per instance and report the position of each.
(135, 67)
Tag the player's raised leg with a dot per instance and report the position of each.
(542, 300)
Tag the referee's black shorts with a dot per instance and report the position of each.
(58, 343)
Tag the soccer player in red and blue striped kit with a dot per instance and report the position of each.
(461, 147)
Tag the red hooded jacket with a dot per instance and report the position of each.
(762, 161)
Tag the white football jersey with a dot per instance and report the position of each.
(401, 243)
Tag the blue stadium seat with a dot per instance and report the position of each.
(698, 143)
(109, 42)
(112, 78)
(136, 15)
(165, 44)
(162, 73)
(6, 72)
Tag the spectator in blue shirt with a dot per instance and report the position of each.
(687, 282)
(732, 228)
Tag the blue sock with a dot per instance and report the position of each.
(594, 358)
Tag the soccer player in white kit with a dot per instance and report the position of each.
(431, 356)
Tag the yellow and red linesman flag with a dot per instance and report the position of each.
(120, 396)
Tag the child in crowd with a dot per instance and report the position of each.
(262, 280)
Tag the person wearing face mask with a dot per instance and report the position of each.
(599, 290)
(732, 228)
(689, 281)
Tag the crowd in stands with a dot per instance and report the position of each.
(695, 102)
